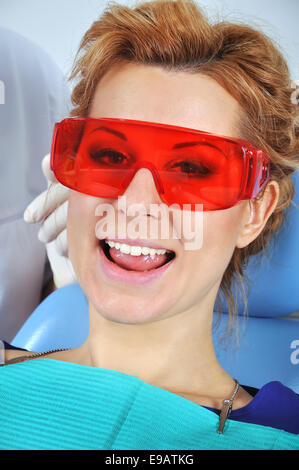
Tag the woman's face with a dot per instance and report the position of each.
(148, 93)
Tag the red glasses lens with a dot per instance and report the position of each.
(100, 157)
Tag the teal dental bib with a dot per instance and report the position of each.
(51, 404)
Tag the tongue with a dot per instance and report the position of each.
(137, 263)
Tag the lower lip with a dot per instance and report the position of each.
(113, 271)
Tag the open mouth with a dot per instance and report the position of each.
(140, 263)
(106, 249)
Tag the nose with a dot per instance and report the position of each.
(142, 189)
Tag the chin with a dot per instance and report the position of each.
(124, 308)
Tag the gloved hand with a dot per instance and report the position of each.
(50, 208)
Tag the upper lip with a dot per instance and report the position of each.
(138, 242)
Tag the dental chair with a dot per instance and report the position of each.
(268, 339)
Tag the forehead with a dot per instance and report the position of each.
(150, 93)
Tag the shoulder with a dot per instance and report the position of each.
(283, 402)
(278, 390)
(22, 46)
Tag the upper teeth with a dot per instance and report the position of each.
(135, 250)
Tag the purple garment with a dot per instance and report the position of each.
(274, 405)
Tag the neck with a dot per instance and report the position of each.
(174, 353)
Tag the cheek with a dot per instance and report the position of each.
(220, 230)
(74, 215)
(199, 271)
(80, 226)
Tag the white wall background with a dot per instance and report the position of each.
(58, 25)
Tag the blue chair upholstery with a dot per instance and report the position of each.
(269, 350)
(269, 341)
(60, 321)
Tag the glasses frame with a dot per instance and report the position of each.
(257, 163)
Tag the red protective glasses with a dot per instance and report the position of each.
(100, 157)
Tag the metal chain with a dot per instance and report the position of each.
(32, 356)
(227, 408)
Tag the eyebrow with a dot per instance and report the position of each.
(176, 146)
(112, 131)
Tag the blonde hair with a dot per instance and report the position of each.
(176, 35)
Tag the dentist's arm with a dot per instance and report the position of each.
(50, 208)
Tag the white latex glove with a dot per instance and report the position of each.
(50, 208)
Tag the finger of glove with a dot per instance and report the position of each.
(49, 174)
(45, 203)
(61, 244)
(54, 224)
(63, 272)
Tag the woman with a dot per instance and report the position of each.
(149, 352)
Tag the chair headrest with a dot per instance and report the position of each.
(274, 282)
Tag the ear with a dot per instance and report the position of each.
(257, 213)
